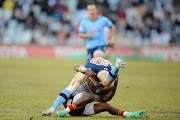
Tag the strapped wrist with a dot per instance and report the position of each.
(82, 69)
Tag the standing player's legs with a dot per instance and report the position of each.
(107, 52)
(78, 80)
(90, 53)
(97, 52)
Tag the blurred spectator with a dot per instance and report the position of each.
(54, 22)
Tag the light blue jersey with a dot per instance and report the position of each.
(97, 29)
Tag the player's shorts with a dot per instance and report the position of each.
(97, 66)
(91, 51)
(83, 111)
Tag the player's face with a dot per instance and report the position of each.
(92, 10)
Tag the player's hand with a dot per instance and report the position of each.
(91, 86)
(88, 34)
(111, 42)
(91, 74)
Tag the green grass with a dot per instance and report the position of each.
(30, 86)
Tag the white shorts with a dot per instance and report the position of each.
(83, 111)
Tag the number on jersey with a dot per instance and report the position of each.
(99, 62)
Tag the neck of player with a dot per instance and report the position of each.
(93, 18)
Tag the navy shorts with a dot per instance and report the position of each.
(91, 51)
(97, 65)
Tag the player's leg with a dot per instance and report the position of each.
(108, 77)
(107, 52)
(102, 107)
(90, 53)
(79, 101)
(78, 80)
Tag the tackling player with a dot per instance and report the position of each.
(92, 29)
(77, 104)
(105, 72)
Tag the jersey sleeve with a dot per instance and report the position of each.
(82, 28)
(107, 22)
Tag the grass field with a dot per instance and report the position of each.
(30, 86)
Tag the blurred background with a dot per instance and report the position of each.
(145, 29)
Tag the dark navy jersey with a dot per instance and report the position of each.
(97, 65)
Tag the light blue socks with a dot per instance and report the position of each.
(62, 97)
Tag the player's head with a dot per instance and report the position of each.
(98, 54)
(92, 9)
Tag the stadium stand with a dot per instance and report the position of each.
(55, 22)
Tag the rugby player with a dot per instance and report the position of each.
(92, 29)
(105, 72)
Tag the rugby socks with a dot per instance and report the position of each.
(71, 107)
(63, 97)
(113, 74)
(123, 113)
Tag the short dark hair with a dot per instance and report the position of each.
(91, 3)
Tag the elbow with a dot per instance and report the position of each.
(76, 67)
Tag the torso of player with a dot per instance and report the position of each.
(95, 27)
(97, 31)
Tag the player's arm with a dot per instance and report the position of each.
(82, 30)
(84, 35)
(91, 74)
(107, 97)
(112, 35)
(99, 91)
(112, 28)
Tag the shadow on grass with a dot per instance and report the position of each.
(97, 117)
